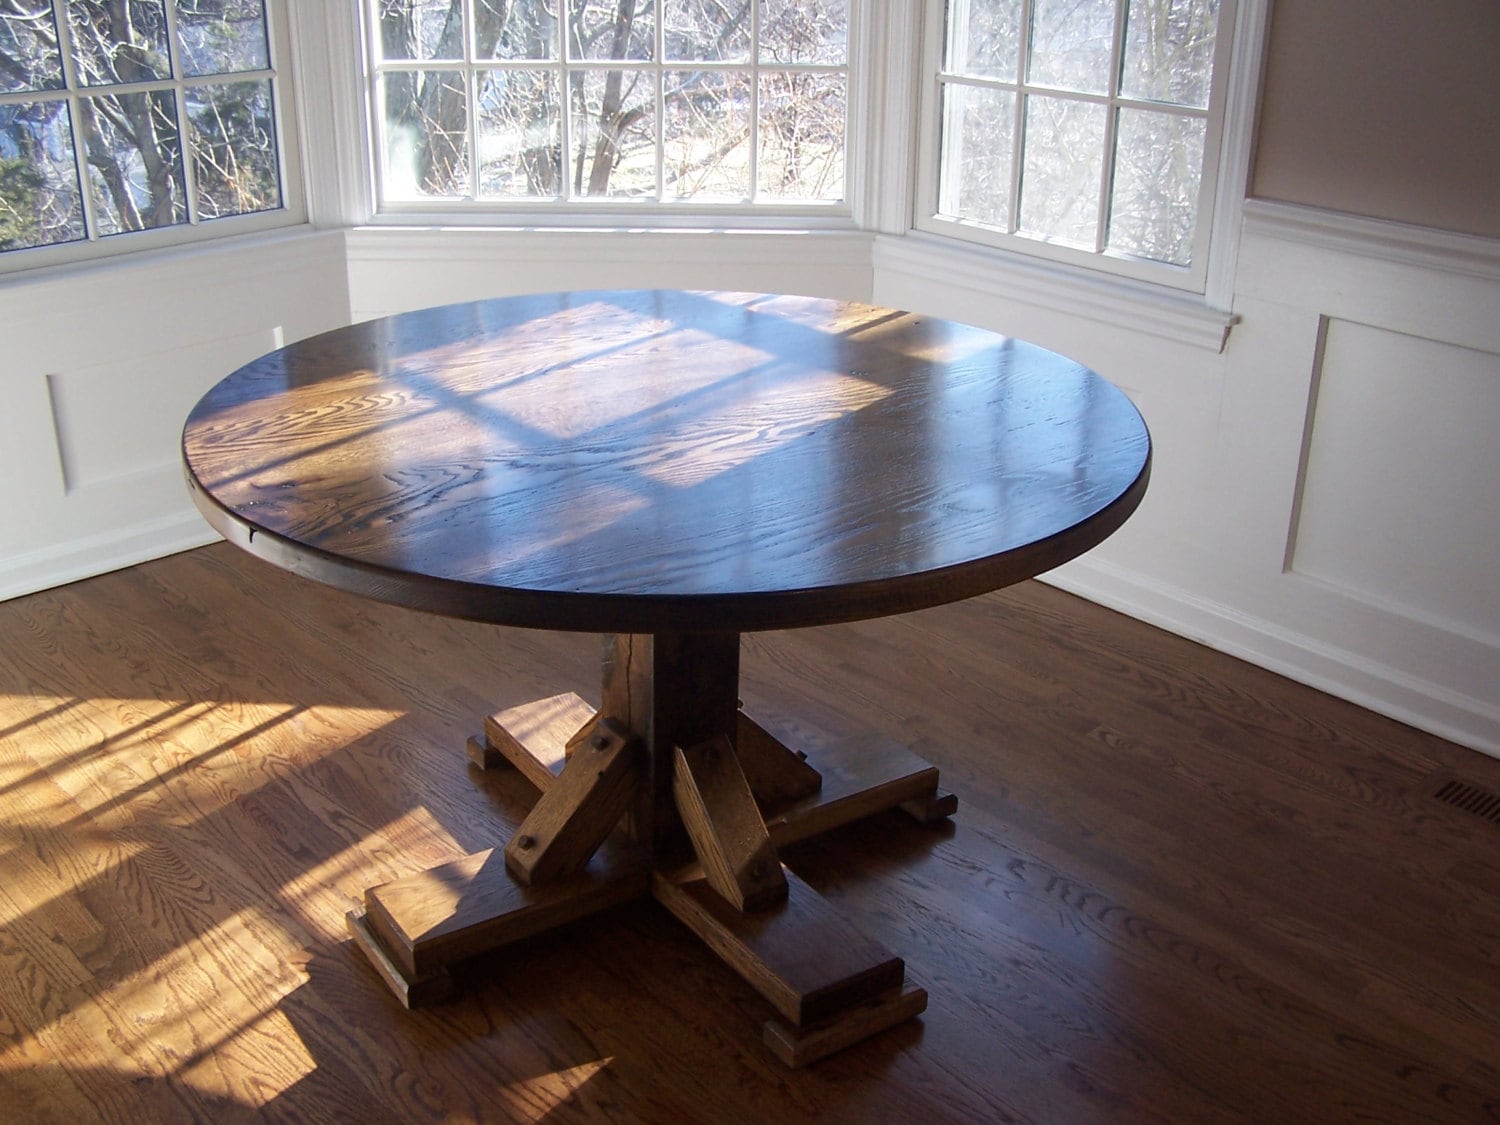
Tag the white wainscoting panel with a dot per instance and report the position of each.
(106, 427)
(394, 269)
(1323, 495)
(101, 365)
(1401, 492)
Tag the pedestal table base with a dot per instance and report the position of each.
(670, 791)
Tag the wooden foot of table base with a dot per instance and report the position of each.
(799, 1046)
(414, 927)
(831, 984)
(932, 808)
(413, 992)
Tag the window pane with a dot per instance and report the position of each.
(118, 41)
(520, 134)
(802, 136)
(39, 198)
(1061, 170)
(707, 30)
(515, 29)
(29, 59)
(421, 29)
(234, 148)
(614, 133)
(707, 135)
(134, 160)
(804, 31)
(426, 134)
(222, 36)
(1154, 205)
(1071, 44)
(984, 37)
(1169, 50)
(611, 29)
(634, 128)
(978, 140)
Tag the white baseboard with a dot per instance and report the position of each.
(1389, 691)
(83, 558)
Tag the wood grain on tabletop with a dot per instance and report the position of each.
(633, 461)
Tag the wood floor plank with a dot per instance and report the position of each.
(1051, 929)
(1178, 889)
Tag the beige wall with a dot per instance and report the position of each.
(1385, 108)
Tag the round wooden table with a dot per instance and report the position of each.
(670, 469)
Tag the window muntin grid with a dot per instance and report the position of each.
(563, 104)
(1085, 131)
(158, 120)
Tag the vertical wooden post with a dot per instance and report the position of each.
(669, 690)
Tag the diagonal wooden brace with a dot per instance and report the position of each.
(577, 810)
(725, 826)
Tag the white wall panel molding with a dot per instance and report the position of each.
(1429, 283)
(1378, 587)
(392, 269)
(1376, 349)
(1016, 280)
(440, 245)
(1378, 239)
(89, 402)
(101, 365)
(1399, 484)
(202, 266)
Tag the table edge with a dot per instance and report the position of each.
(638, 613)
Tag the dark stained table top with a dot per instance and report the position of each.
(650, 461)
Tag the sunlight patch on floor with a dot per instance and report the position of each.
(186, 759)
(207, 1011)
(545, 1093)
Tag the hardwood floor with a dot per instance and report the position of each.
(1178, 888)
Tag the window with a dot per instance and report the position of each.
(1086, 131)
(125, 117)
(603, 102)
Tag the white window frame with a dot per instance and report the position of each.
(1229, 124)
(612, 213)
(196, 229)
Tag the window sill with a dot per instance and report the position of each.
(839, 243)
(1168, 314)
(205, 255)
(614, 217)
